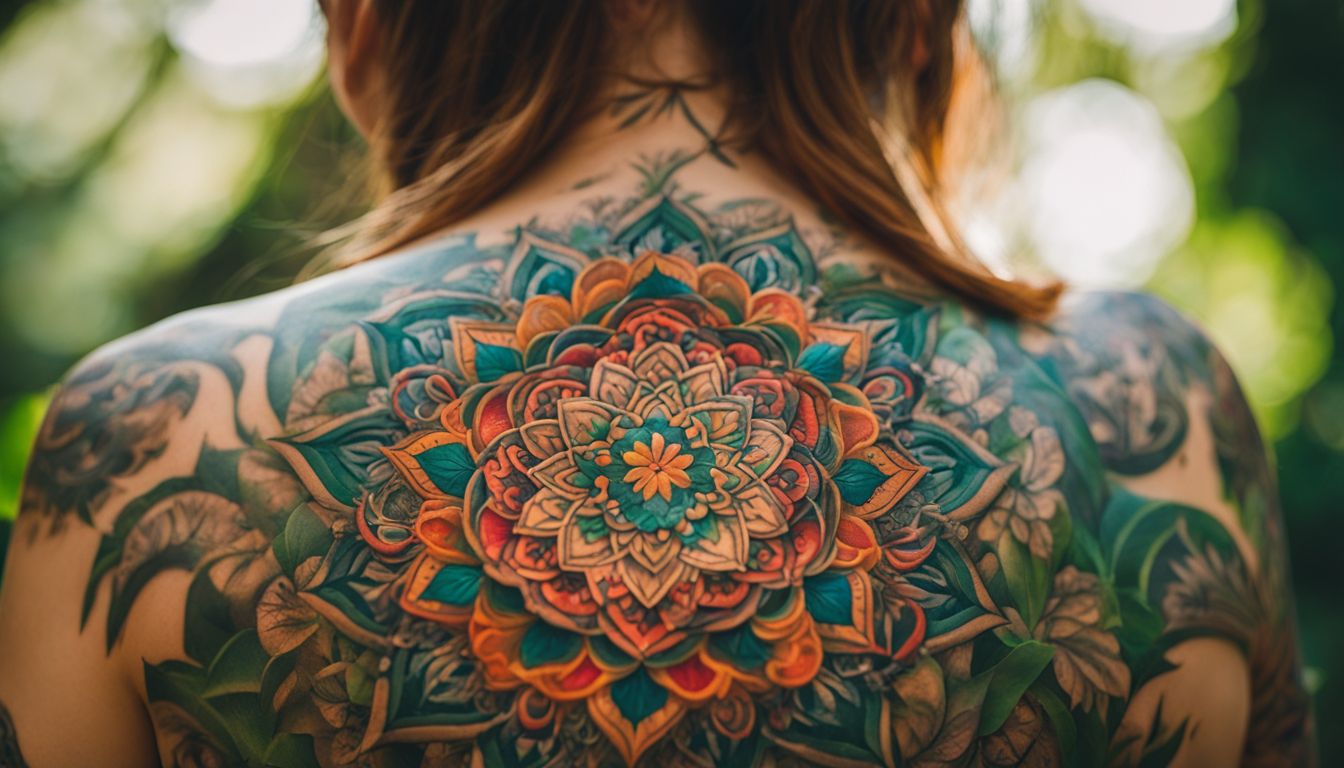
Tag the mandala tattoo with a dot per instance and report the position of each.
(661, 485)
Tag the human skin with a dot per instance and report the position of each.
(646, 462)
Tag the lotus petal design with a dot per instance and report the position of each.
(651, 492)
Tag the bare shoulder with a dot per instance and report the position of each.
(212, 377)
(1130, 361)
(150, 485)
(1166, 411)
(666, 482)
(1177, 436)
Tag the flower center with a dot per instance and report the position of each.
(656, 467)
(654, 472)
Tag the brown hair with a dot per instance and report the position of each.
(482, 90)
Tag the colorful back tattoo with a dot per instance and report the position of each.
(673, 484)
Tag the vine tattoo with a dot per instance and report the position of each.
(658, 485)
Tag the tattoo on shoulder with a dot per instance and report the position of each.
(671, 483)
(105, 423)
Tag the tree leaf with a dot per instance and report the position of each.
(920, 705)
(637, 696)
(278, 679)
(305, 536)
(332, 459)
(291, 750)
(825, 361)
(830, 598)
(1028, 577)
(454, 585)
(250, 724)
(1009, 680)
(855, 732)
(1066, 730)
(238, 666)
(449, 466)
(179, 683)
(857, 480)
(208, 623)
(544, 644)
(963, 477)
(741, 647)
(284, 621)
(1134, 530)
(433, 464)
(173, 532)
(494, 361)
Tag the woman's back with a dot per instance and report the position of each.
(659, 480)
(650, 463)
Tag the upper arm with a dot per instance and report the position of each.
(71, 652)
(1193, 514)
(155, 595)
(70, 701)
(72, 696)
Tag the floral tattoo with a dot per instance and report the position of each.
(662, 485)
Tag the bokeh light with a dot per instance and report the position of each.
(242, 33)
(1164, 23)
(169, 179)
(1265, 305)
(1104, 191)
(1005, 29)
(46, 131)
(249, 52)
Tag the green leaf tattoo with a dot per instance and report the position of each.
(660, 484)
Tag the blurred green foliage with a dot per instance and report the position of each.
(131, 188)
